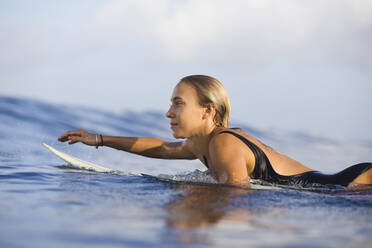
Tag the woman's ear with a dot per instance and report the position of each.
(209, 110)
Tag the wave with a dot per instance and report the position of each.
(26, 123)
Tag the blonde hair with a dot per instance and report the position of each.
(210, 90)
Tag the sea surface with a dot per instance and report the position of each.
(46, 203)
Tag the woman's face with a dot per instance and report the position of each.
(185, 113)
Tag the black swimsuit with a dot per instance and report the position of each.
(264, 171)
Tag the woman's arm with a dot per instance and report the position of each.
(228, 160)
(149, 147)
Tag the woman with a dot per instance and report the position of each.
(199, 113)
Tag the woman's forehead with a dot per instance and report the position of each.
(184, 91)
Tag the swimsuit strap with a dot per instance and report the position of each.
(206, 161)
(262, 167)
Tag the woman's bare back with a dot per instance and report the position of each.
(282, 164)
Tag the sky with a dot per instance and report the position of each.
(287, 65)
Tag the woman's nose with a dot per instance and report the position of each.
(169, 114)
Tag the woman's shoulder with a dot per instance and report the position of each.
(227, 132)
(244, 136)
(233, 137)
(228, 149)
(224, 136)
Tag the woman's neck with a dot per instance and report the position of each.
(201, 141)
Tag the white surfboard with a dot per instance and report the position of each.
(81, 164)
(75, 162)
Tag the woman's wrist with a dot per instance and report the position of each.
(99, 140)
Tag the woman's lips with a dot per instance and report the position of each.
(173, 124)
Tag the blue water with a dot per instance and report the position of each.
(45, 203)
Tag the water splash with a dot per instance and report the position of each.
(197, 177)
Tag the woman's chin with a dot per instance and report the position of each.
(178, 135)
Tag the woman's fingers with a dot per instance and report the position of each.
(75, 133)
(78, 136)
(63, 138)
(74, 139)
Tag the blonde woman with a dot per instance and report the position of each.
(199, 113)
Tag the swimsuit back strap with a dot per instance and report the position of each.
(251, 146)
(262, 166)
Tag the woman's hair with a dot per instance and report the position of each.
(210, 90)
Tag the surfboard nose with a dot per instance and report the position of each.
(76, 162)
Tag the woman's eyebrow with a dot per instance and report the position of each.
(176, 98)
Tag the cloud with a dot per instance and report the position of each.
(259, 29)
(250, 32)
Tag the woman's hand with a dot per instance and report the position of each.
(79, 136)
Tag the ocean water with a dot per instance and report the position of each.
(46, 203)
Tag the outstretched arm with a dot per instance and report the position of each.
(149, 147)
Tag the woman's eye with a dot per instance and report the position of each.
(177, 104)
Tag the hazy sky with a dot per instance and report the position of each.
(291, 65)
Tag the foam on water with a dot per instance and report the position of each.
(197, 177)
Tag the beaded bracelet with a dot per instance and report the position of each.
(101, 143)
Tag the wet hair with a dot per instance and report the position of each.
(210, 90)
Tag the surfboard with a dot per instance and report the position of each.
(81, 164)
(76, 162)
